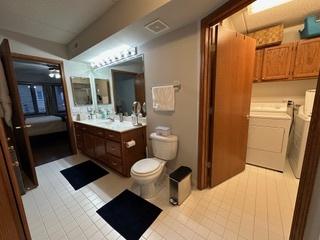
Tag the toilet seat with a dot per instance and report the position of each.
(146, 167)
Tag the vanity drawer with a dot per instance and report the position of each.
(114, 136)
(97, 131)
(114, 148)
(115, 163)
(80, 126)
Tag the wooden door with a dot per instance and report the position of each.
(233, 73)
(13, 224)
(307, 61)
(257, 76)
(277, 62)
(19, 127)
(140, 88)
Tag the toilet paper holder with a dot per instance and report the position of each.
(130, 143)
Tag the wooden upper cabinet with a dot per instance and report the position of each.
(307, 61)
(258, 65)
(277, 62)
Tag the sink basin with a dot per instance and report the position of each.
(111, 125)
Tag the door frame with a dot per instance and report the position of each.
(226, 10)
(114, 72)
(8, 171)
(312, 153)
(35, 59)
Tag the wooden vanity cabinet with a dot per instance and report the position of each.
(109, 147)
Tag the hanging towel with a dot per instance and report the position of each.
(163, 98)
(5, 101)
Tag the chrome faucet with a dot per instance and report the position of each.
(109, 117)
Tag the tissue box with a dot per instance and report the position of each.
(311, 27)
(163, 131)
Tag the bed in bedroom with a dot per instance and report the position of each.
(43, 125)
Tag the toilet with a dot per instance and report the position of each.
(147, 171)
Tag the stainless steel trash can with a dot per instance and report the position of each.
(180, 185)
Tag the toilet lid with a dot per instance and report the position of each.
(146, 166)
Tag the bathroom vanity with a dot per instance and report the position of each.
(108, 143)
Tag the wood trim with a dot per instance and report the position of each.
(19, 136)
(308, 173)
(113, 73)
(226, 10)
(14, 183)
(29, 58)
(68, 110)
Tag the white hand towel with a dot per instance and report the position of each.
(5, 100)
(163, 98)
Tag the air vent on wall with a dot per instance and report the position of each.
(156, 26)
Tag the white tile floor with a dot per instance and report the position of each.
(256, 204)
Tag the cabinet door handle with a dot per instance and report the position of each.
(28, 126)
(113, 163)
(110, 135)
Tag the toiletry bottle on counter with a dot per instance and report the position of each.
(133, 118)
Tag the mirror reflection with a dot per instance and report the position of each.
(128, 85)
(102, 91)
(81, 90)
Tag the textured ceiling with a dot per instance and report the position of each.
(290, 14)
(175, 14)
(54, 20)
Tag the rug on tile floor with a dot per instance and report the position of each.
(129, 214)
(83, 174)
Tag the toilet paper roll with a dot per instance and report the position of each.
(130, 144)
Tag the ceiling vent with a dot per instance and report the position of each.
(156, 26)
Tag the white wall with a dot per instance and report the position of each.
(176, 57)
(282, 91)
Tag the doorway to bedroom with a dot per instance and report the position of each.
(42, 100)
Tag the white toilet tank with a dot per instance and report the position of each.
(164, 148)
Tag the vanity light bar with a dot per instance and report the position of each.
(116, 58)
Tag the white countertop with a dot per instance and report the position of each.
(116, 125)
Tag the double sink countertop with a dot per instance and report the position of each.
(115, 125)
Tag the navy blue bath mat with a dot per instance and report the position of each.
(129, 214)
(83, 174)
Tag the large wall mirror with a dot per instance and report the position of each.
(102, 91)
(81, 90)
(128, 85)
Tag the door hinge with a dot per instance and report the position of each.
(209, 165)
